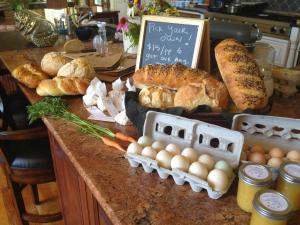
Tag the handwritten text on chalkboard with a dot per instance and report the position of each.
(168, 43)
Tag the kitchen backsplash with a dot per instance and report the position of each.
(282, 5)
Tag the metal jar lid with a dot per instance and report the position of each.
(255, 174)
(290, 172)
(272, 204)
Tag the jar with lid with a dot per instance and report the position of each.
(288, 183)
(100, 40)
(44, 34)
(270, 208)
(265, 56)
(252, 178)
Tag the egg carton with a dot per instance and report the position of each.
(219, 142)
(269, 132)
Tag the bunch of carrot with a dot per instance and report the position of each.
(55, 107)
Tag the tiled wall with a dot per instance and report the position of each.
(283, 5)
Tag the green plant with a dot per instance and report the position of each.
(18, 5)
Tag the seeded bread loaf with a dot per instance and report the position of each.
(168, 76)
(241, 75)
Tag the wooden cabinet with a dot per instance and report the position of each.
(79, 207)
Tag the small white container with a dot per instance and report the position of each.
(219, 142)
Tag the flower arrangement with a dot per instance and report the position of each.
(130, 26)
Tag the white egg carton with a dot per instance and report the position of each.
(269, 132)
(196, 134)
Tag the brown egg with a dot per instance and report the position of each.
(245, 147)
(275, 162)
(257, 158)
(276, 153)
(258, 148)
(294, 155)
(243, 156)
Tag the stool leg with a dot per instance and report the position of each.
(20, 201)
(35, 192)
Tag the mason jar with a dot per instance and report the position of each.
(252, 179)
(270, 208)
(288, 183)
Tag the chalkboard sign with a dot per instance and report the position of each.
(170, 40)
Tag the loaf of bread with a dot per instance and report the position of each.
(210, 92)
(52, 62)
(156, 97)
(79, 68)
(59, 86)
(169, 76)
(73, 45)
(29, 74)
(241, 75)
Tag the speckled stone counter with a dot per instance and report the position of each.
(129, 195)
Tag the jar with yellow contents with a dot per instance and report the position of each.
(252, 178)
(288, 183)
(270, 208)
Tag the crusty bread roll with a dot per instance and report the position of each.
(52, 62)
(79, 68)
(59, 86)
(73, 45)
(241, 75)
(29, 74)
(156, 97)
(169, 76)
(210, 92)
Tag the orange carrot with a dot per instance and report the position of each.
(124, 137)
(112, 143)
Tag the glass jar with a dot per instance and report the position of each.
(100, 41)
(252, 179)
(288, 183)
(44, 34)
(265, 56)
(270, 208)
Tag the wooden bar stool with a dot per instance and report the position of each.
(24, 152)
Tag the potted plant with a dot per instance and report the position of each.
(18, 5)
(130, 26)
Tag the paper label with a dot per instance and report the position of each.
(293, 170)
(256, 171)
(273, 201)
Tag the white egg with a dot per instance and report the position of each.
(149, 152)
(173, 149)
(223, 165)
(145, 141)
(218, 180)
(164, 158)
(134, 148)
(158, 145)
(180, 162)
(207, 160)
(198, 169)
(190, 153)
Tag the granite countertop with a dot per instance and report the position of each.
(129, 195)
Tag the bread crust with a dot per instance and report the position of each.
(52, 62)
(60, 86)
(29, 74)
(168, 76)
(210, 92)
(241, 75)
(79, 68)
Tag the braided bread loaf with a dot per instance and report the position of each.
(59, 86)
(29, 74)
(241, 75)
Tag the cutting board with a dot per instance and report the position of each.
(107, 62)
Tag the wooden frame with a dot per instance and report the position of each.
(202, 24)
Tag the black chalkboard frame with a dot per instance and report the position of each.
(202, 26)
